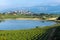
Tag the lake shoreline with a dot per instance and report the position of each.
(28, 19)
(48, 19)
(23, 19)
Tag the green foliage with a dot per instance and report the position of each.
(21, 34)
(43, 16)
(30, 34)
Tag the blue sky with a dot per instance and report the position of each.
(4, 4)
(28, 3)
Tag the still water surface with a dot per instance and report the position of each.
(23, 24)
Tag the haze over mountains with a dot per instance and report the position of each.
(35, 9)
(46, 9)
(37, 6)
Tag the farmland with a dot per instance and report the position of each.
(29, 34)
(21, 34)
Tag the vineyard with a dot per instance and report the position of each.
(30, 34)
(56, 35)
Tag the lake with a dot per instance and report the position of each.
(23, 24)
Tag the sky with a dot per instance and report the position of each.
(27, 3)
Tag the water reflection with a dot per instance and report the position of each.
(23, 24)
(43, 21)
(1, 20)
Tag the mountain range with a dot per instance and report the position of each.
(37, 9)
(45, 9)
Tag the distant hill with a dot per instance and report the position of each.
(36, 9)
(45, 9)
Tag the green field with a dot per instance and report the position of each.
(21, 34)
(29, 34)
(17, 16)
(41, 16)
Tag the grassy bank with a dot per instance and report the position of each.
(30, 34)
(28, 16)
(21, 34)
